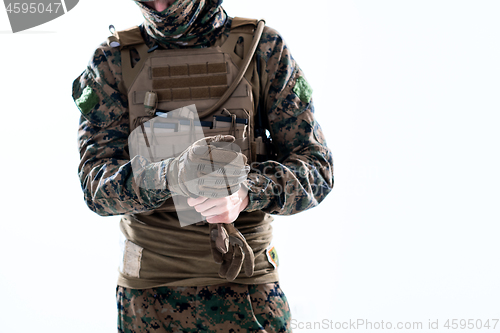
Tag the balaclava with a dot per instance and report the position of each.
(185, 23)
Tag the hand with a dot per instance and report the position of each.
(221, 210)
(229, 247)
(212, 167)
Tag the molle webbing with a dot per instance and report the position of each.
(216, 79)
(187, 82)
(240, 26)
(181, 94)
(189, 69)
(219, 80)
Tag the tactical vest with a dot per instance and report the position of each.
(213, 80)
(209, 78)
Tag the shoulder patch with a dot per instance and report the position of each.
(88, 100)
(272, 256)
(303, 90)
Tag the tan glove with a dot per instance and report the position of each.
(231, 250)
(212, 167)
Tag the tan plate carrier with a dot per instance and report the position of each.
(220, 80)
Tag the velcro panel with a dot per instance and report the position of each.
(164, 95)
(182, 93)
(181, 70)
(198, 69)
(200, 93)
(217, 68)
(167, 95)
(217, 91)
(189, 69)
(185, 82)
(161, 71)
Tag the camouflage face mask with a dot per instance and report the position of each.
(185, 23)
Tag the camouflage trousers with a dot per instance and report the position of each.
(227, 308)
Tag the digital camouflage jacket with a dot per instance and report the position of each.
(299, 177)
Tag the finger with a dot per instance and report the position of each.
(200, 150)
(214, 138)
(215, 153)
(215, 169)
(235, 267)
(216, 255)
(222, 240)
(220, 138)
(219, 182)
(233, 146)
(237, 240)
(220, 192)
(210, 152)
(220, 155)
(209, 203)
(204, 142)
(214, 194)
(213, 247)
(211, 193)
(226, 262)
(196, 201)
(226, 156)
(229, 204)
(226, 219)
(220, 202)
(249, 261)
(249, 257)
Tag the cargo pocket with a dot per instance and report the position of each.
(270, 307)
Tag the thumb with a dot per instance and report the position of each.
(220, 138)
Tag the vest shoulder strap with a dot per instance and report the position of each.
(127, 37)
(244, 23)
(124, 39)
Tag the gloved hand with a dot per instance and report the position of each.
(212, 167)
(231, 250)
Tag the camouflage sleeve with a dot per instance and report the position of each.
(105, 168)
(302, 174)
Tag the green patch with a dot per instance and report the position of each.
(88, 100)
(303, 90)
(272, 256)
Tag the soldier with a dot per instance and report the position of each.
(187, 279)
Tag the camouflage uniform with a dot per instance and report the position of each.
(226, 308)
(298, 179)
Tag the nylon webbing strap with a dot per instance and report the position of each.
(129, 73)
(176, 83)
(241, 73)
(241, 21)
(131, 36)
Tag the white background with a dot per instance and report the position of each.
(407, 93)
